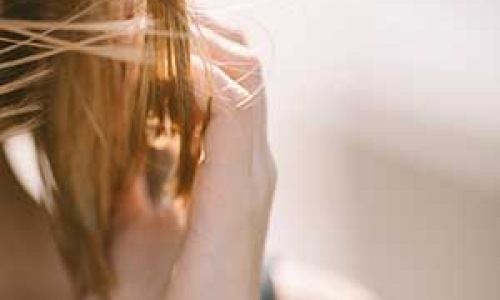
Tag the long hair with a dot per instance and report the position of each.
(98, 90)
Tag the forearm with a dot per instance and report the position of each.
(225, 266)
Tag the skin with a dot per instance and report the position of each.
(217, 244)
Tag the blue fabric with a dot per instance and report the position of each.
(267, 286)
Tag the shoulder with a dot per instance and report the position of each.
(30, 267)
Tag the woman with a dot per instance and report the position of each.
(150, 137)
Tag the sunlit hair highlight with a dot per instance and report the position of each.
(99, 91)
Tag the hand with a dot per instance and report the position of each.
(146, 244)
(235, 185)
(232, 196)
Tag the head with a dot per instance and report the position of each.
(100, 83)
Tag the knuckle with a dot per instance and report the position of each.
(239, 35)
(255, 61)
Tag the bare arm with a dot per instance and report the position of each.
(222, 254)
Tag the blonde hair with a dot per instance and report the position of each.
(63, 66)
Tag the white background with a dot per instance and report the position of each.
(385, 123)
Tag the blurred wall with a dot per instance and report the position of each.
(384, 123)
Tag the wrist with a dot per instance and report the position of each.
(222, 259)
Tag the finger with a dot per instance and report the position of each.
(238, 63)
(234, 59)
(221, 28)
(231, 130)
(210, 82)
(243, 67)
